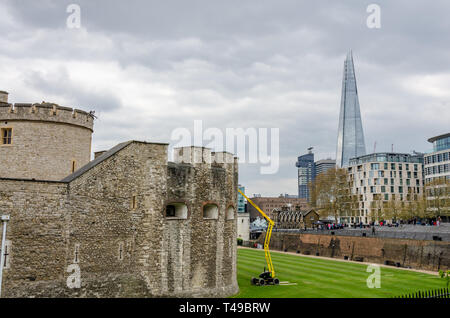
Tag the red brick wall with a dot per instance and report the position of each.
(429, 255)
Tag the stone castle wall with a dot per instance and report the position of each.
(46, 140)
(124, 249)
(419, 254)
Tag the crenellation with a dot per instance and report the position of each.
(192, 155)
(46, 140)
(222, 157)
(46, 112)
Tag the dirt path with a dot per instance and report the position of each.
(348, 261)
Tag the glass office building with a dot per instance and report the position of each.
(306, 174)
(241, 200)
(350, 141)
(437, 163)
(324, 165)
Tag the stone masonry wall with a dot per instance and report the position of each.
(123, 250)
(45, 141)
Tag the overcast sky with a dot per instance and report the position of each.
(148, 67)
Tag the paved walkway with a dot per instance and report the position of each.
(348, 261)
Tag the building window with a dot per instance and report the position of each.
(76, 254)
(210, 211)
(6, 136)
(133, 202)
(177, 210)
(230, 213)
(73, 166)
(121, 251)
(7, 254)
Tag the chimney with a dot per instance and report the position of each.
(99, 153)
(3, 97)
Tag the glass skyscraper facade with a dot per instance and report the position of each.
(306, 174)
(437, 163)
(241, 200)
(350, 142)
(323, 165)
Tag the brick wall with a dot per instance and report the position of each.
(428, 255)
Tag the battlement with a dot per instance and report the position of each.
(199, 155)
(46, 112)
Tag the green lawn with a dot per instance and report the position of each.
(317, 278)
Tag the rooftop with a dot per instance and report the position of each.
(387, 157)
(433, 139)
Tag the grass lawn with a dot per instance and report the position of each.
(318, 278)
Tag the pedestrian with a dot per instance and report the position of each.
(373, 230)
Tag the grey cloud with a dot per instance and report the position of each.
(57, 82)
(256, 63)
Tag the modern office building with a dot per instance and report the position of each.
(243, 217)
(437, 163)
(241, 200)
(437, 176)
(350, 142)
(379, 177)
(324, 165)
(306, 174)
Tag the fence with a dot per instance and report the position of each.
(435, 293)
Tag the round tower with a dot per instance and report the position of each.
(43, 141)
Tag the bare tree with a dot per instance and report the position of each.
(438, 197)
(331, 194)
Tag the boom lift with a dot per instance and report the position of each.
(266, 277)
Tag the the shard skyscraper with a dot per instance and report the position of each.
(350, 141)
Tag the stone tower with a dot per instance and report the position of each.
(43, 141)
(350, 141)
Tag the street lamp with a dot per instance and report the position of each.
(5, 219)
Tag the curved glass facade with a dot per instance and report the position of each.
(441, 144)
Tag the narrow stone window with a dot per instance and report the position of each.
(177, 210)
(133, 202)
(6, 136)
(121, 251)
(76, 254)
(230, 213)
(73, 166)
(210, 211)
(7, 254)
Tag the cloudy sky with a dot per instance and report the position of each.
(148, 67)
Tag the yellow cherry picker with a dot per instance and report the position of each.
(266, 277)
